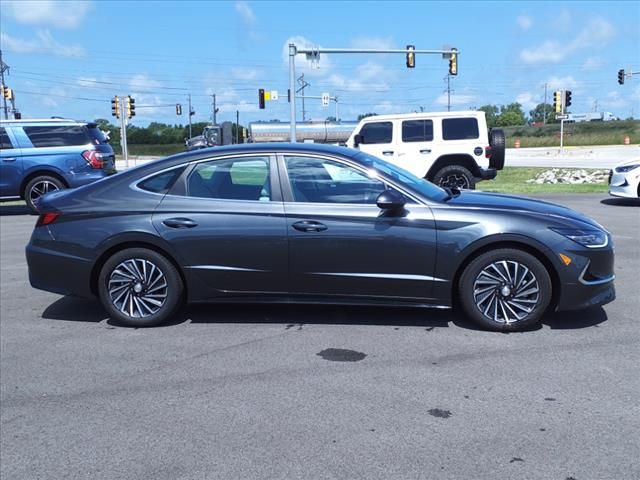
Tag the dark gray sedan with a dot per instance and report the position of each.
(313, 224)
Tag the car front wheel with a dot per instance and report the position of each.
(139, 287)
(505, 290)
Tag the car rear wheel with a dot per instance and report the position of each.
(505, 290)
(139, 287)
(455, 176)
(38, 186)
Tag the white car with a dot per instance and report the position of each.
(624, 180)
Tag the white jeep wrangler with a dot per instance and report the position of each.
(450, 149)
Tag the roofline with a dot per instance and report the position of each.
(392, 116)
(41, 120)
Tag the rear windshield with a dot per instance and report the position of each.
(58, 135)
(97, 136)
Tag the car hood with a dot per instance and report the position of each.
(513, 203)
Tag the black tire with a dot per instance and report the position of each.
(455, 176)
(486, 300)
(497, 142)
(38, 186)
(129, 278)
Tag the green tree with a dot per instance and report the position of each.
(490, 113)
(511, 115)
(537, 114)
(365, 115)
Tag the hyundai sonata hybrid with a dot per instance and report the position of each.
(313, 224)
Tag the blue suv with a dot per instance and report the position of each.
(41, 156)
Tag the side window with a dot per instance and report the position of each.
(460, 129)
(417, 131)
(162, 182)
(376, 132)
(5, 141)
(244, 178)
(58, 136)
(319, 180)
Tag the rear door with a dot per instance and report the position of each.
(10, 164)
(417, 150)
(225, 218)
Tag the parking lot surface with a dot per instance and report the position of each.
(240, 391)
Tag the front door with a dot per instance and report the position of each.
(226, 222)
(10, 165)
(342, 244)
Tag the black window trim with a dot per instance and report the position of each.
(287, 192)
(14, 146)
(459, 139)
(179, 189)
(378, 121)
(402, 122)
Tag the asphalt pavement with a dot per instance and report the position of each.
(301, 392)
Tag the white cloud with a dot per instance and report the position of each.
(303, 65)
(61, 14)
(87, 81)
(614, 100)
(562, 22)
(43, 43)
(527, 100)
(387, 106)
(524, 22)
(228, 100)
(593, 63)
(141, 85)
(245, 12)
(462, 99)
(562, 83)
(596, 34)
(245, 73)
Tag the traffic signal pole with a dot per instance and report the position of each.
(123, 130)
(314, 55)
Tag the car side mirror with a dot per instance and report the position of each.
(391, 200)
(357, 140)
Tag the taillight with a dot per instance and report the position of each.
(93, 158)
(488, 152)
(47, 218)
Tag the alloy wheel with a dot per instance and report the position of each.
(137, 288)
(455, 180)
(42, 187)
(506, 291)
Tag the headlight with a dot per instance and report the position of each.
(627, 168)
(590, 238)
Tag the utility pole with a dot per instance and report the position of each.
(303, 84)
(237, 125)
(544, 105)
(448, 79)
(4, 68)
(214, 110)
(595, 106)
(190, 113)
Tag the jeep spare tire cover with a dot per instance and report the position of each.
(497, 142)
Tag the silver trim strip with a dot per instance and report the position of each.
(398, 276)
(223, 267)
(593, 282)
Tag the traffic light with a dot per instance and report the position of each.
(261, 98)
(115, 106)
(621, 77)
(17, 115)
(557, 101)
(178, 109)
(453, 62)
(131, 106)
(7, 93)
(411, 56)
(567, 99)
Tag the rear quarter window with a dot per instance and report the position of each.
(58, 136)
(460, 129)
(5, 141)
(162, 182)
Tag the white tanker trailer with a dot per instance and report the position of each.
(316, 132)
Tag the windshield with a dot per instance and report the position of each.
(409, 180)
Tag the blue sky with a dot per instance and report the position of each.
(69, 58)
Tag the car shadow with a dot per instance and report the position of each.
(294, 316)
(621, 202)
(15, 210)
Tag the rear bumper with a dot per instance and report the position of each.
(488, 173)
(58, 272)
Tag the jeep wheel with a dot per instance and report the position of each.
(497, 143)
(455, 176)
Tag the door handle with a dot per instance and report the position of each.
(309, 226)
(426, 150)
(388, 152)
(179, 223)
(11, 159)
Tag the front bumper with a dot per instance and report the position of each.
(622, 184)
(488, 173)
